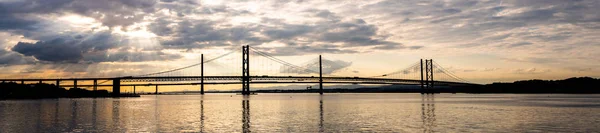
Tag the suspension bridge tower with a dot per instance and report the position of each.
(246, 70)
(427, 79)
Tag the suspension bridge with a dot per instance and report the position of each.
(267, 69)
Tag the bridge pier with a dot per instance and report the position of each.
(202, 74)
(75, 83)
(40, 82)
(22, 82)
(58, 83)
(422, 83)
(156, 89)
(95, 85)
(116, 90)
(134, 89)
(320, 76)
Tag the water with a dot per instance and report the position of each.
(307, 113)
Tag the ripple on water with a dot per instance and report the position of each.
(306, 113)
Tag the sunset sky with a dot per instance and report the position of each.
(482, 41)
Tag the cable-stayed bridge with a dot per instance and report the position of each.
(255, 66)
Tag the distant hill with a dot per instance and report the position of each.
(570, 85)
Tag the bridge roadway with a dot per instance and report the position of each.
(254, 80)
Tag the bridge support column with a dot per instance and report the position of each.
(95, 85)
(202, 74)
(431, 72)
(116, 87)
(427, 84)
(40, 82)
(422, 82)
(75, 83)
(133, 89)
(58, 83)
(246, 70)
(156, 89)
(320, 76)
(22, 82)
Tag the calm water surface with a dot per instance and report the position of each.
(307, 113)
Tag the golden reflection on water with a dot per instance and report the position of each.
(302, 113)
(321, 120)
(246, 114)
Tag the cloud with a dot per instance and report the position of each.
(88, 48)
(530, 71)
(580, 70)
(111, 13)
(293, 49)
(502, 28)
(534, 60)
(68, 48)
(57, 50)
(14, 22)
(334, 34)
(519, 44)
(12, 58)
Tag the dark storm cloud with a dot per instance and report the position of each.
(13, 22)
(110, 12)
(67, 48)
(86, 48)
(57, 50)
(11, 58)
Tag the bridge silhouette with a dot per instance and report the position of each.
(272, 70)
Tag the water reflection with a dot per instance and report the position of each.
(246, 115)
(303, 113)
(156, 114)
(116, 113)
(321, 128)
(55, 120)
(94, 114)
(39, 119)
(73, 122)
(428, 112)
(202, 115)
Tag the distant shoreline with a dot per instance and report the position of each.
(14, 91)
(582, 85)
(576, 85)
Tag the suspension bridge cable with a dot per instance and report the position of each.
(397, 72)
(452, 75)
(181, 68)
(281, 61)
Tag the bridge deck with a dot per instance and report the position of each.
(254, 80)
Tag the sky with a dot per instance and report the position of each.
(482, 41)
